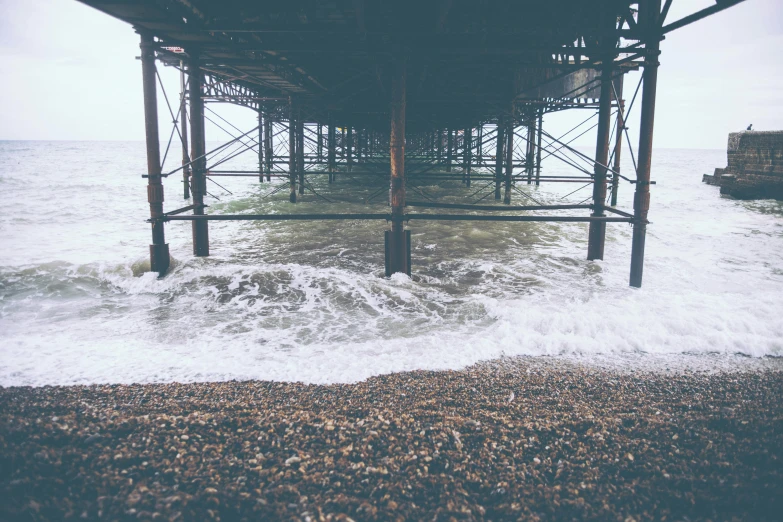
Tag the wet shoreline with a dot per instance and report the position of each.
(509, 439)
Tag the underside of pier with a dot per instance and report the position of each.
(403, 91)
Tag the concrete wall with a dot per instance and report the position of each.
(755, 166)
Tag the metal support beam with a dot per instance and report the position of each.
(269, 150)
(331, 145)
(198, 148)
(509, 157)
(349, 147)
(597, 233)
(499, 156)
(159, 249)
(468, 154)
(449, 149)
(618, 138)
(183, 117)
(538, 146)
(397, 250)
(260, 146)
(320, 146)
(531, 140)
(648, 16)
(291, 151)
(300, 166)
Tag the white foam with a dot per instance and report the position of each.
(295, 303)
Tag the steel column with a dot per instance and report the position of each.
(468, 154)
(397, 245)
(500, 137)
(531, 137)
(618, 139)
(330, 144)
(198, 149)
(597, 233)
(349, 147)
(269, 152)
(648, 15)
(449, 149)
(320, 131)
(509, 158)
(291, 151)
(183, 117)
(159, 249)
(538, 146)
(260, 146)
(300, 167)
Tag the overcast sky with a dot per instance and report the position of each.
(71, 74)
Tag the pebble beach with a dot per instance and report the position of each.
(512, 439)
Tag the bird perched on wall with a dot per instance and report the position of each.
(750, 127)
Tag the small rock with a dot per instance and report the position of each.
(92, 439)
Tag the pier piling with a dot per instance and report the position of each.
(396, 242)
(159, 249)
(183, 118)
(509, 158)
(597, 232)
(618, 138)
(292, 163)
(648, 15)
(500, 137)
(198, 152)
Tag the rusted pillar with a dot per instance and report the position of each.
(397, 240)
(268, 152)
(330, 145)
(618, 139)
(320, 131)
(344, 144)
(509, 157)
(260, 146)
(300, 166)
(597, 234)
(449, 149)
(538, 147)
(349, 147)
(468, 154)
(183, 118)
(648, 15)
(499, 157)
(291, 151)
(531, 148)
(159, 249)
(198, 149)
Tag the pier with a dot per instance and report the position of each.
(405, 92)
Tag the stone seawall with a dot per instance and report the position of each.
(755, 166)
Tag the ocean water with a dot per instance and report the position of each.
(307, 301)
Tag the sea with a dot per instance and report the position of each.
(308, 301)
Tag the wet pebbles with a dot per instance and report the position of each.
(514, 439)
